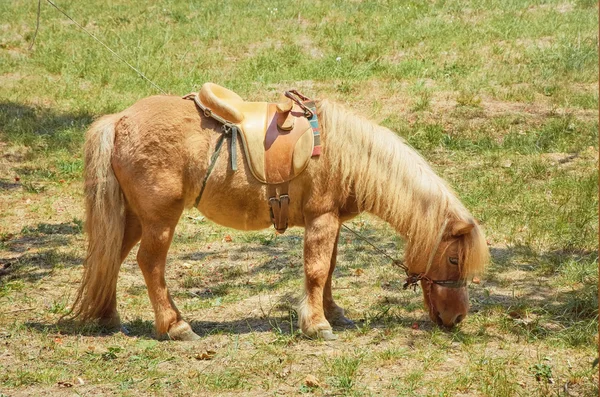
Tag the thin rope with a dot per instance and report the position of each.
(105, 46)
(37, 25)
(395, 262)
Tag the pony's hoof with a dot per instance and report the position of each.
(110, 323)
(183, 332)
(342, 321)
(327, 334)
(335, 316)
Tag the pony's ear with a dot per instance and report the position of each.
(460, 228)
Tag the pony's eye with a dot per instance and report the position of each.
(453, 261)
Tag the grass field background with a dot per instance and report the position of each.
(500, 97)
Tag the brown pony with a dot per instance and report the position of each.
(145, 165)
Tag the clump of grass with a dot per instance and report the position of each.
(468, 99)
(496, 376)
(227, 380)
(342, 370)
(423, 101)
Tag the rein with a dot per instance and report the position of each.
(120, 58)
(412, 279)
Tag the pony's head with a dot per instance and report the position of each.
(459, 253)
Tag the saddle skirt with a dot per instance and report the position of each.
(278, 139)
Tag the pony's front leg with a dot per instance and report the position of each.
(320, 237)
(152, 257)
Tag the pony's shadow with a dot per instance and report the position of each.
(17, 119)
(569, 306)
(34, 253)
(145, 328)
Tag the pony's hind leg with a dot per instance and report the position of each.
(333, 313)
(131, 235)
(319, 242)
(157, 235)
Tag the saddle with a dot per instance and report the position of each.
(278, 139)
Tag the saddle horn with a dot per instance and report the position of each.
(285, 104)
(285, 119)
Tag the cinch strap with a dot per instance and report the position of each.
(226, 129)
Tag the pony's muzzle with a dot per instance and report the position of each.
(447, 306)
(449, 321)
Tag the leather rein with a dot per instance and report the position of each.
(412, 279)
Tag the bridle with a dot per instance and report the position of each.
(412, 279)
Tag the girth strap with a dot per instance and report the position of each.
(226, 129)
(279, 206)
(213, 161)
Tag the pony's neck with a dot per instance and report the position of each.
(387, 177)
(411, 197)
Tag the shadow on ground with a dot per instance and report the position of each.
(561, 307)
(33, 125)
(145, 328)
(34, 253)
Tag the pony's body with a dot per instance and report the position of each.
(145, 165)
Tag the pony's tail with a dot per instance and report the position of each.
(104, 226)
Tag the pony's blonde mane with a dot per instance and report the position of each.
(391, 180)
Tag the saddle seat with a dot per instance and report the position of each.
(277, 138)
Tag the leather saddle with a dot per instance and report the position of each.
(278, 139)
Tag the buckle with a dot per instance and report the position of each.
(273, 200)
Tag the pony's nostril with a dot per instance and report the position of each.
(438, 319)
(458, 319)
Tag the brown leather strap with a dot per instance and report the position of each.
(279, 206)
(280, 144)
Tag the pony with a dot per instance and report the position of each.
(146, 164)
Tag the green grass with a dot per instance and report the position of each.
(342, 371)
(500, 97)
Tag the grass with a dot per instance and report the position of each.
(500, 97)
